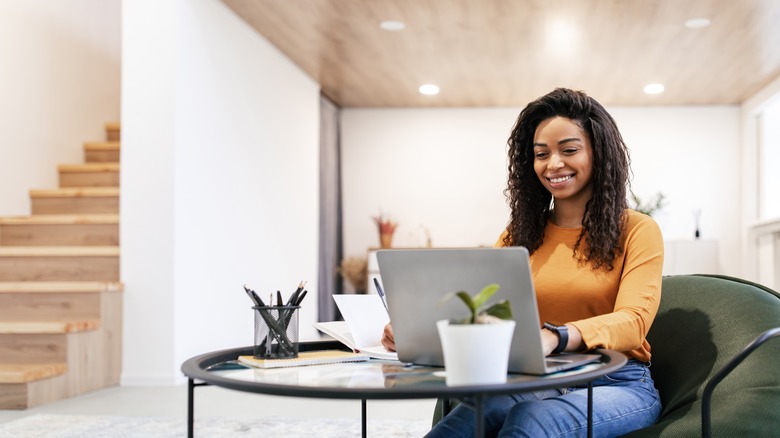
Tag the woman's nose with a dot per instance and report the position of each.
(555, 162)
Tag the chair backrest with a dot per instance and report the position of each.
(703, 322)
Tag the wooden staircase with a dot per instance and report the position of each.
(60, 296)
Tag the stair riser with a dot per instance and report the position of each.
(59, 234)
(14, 396)
(75, 205)
(43, 268)
(33, 348)
(89, 179)
(45, 306)
(113, 135)
(97, 156)
(20, 396)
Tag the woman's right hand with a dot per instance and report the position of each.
(388, 340)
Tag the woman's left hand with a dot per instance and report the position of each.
(550, 340)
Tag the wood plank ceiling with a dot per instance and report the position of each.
(507, 52)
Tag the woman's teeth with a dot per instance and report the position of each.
(561, 179)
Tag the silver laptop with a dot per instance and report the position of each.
(415, 280)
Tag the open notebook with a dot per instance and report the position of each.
(364, 320)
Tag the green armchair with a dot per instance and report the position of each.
(707, 364)
(704, 322)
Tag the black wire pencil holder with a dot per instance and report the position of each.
(276, 332)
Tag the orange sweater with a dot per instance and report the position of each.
(612, 309)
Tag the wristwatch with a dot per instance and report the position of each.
(563, 335)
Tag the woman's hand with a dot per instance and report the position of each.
(388, 340)
(550, 340)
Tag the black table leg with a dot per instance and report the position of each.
(479, 411)
(363, 430)
(190, 406)
(590, 410)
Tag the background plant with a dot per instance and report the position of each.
(355, 271)
(650, 206)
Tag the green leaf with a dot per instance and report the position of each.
(501, 310)
(484, 295)
(476, 304)
(466, 298)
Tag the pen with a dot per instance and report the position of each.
(381, 294)
(300, 297)
(257, 297)
(253, 296)
(249, 294)
(294, 297)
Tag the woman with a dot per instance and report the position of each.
(596, 267)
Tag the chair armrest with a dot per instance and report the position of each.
(706, 398)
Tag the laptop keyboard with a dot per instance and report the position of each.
(553, 362)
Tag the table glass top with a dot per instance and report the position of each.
(370, 374)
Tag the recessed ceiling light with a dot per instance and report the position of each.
(429, 89)
(697, 23)
(392, 25)
(654, 88)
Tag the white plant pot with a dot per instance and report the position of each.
(475, 354)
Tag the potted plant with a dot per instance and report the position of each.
(476, 348)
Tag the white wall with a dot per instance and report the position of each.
(440, 169)
(445, 169)
(219, 183)
(59, 82)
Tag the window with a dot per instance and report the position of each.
(769, 163)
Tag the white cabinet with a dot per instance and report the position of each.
(691, 257)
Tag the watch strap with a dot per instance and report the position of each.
(563, 336)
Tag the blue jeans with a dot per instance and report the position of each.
(623, 401)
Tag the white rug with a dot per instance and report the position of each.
(81, 426)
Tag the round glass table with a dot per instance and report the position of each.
(371, 380)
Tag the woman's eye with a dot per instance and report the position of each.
(540, 155)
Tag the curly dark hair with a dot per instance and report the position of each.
(531, 204)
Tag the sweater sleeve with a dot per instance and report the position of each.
(638, 296)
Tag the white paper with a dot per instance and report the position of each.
(366, 317)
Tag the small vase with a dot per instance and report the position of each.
(386, 240)
(476, 354)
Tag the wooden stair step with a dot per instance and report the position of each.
(51, 229)
(76, 192)
(75, 200)
(89, 167)
(29, 372)
(60, 286)
(102, 145)
(61, 219)
(59, 263)
(48, 327)
(113, 130)
(89, 175)
(102, 152)
(59, 251)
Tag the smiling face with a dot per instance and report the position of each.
(563, 160)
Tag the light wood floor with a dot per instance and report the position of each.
(171, 401)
